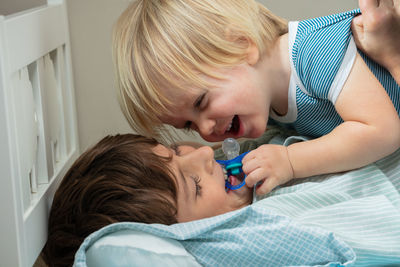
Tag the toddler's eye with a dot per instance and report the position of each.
(201, 102)
(187, 125)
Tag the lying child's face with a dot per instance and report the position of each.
(201, 184)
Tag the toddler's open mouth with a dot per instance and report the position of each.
(234, 126)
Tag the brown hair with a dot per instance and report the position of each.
(120, 179)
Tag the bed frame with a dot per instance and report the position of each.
(38, 128)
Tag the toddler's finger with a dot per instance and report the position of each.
(250, 165)
(249, 156)
(254, 177)
(386, 3)
(358, 32)
(358, 21)
(266, 186)
(396, 4)
(367, 5)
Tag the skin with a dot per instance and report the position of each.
(377, 33)
(201, 184)
(256, 85)
(260, 84)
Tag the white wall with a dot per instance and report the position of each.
(13, 6)
(90, 30)
(303, 9)
(90, 24)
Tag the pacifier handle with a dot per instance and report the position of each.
(234, 187)
(233, 167)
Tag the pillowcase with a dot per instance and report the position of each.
(136, 248)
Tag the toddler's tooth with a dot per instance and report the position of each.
(229, 127)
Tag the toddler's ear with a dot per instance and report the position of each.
(253, 54)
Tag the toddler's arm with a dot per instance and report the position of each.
(370, 131)
(377, 33)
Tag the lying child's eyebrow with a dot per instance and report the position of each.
(186, 188)
(175, 148)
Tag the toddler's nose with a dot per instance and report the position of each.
(205, 126)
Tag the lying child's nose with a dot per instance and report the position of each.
(204, 152)
(205, 157)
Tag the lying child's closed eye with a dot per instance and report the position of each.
(197, 181)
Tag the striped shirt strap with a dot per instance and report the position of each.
(319, 54)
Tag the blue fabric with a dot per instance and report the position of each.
(322, 53)
(362, 207)
(252, 236)
(128, 248)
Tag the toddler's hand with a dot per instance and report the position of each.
(377, 31)
(268, 164)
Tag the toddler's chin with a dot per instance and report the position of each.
(256, 133)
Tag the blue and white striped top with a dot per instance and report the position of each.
(322, 52)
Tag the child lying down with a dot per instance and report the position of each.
(179, 192)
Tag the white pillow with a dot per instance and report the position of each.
(135, 248)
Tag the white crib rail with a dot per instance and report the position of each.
(38, 129)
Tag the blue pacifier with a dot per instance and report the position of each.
(233, 166)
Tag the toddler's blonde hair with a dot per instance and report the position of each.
(168, 43)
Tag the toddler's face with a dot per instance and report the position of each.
(237, 106)
(201, 184)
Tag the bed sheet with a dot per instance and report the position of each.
(362, 208)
